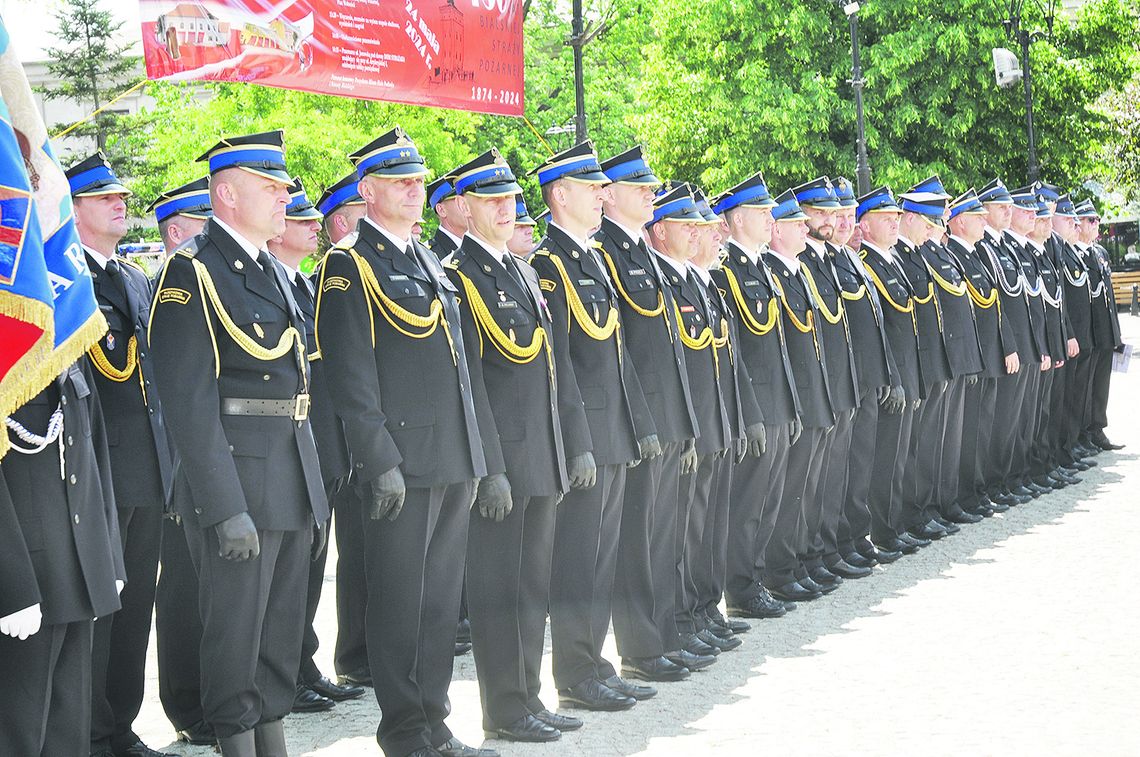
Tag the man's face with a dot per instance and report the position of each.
(820, 223)
(678, 238)
(844, 225)
(1042, 228)
(754, 223)
(998, 215)
(521, 242)
(1065, 226)
(492, 219)
(579, 202)
(790, 236)
(881, 229)
(256, 203)
(393, 201)
(1090, 230)
(634, 202)
(708, 243)
(301, 236)
(451, 217)
(1022, 220)
(178, 229)
(101, 217)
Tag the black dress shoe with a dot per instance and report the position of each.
(690, 661)
(307, 700)
(907, 537)
(1048, 483)
(759, 607)
(361, 677)
(335, 692)
(139, 749)
(690, 642)
(946, 525)
(718, 642)
(529, 728)
(1102, 441)
(462, 648)
(929, 530)
(1022, 491)
(463, 631)
(592, 694)
(823, 576)
(858, 560)
(656, 669)
(736, 626)
(962, 517)
(1068, 478)
(561, 722)
(717, 629)
(845, 570)
(793, 591)
(810, 584)
(453, 747)
(634, 690)
(198, 734)
(897, 545)
(887, 556)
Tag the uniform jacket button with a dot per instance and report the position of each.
(76, 519)
(73, 479)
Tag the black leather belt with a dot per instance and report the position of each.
(296, 408)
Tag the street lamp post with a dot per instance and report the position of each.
(577, 41)
(1025, 38)
(862, 166)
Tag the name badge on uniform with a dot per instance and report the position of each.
(585, 282)
(637, 272)
(688, 309)
(397, 277)
(751, 283)
(507, 304)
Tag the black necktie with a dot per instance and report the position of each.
(119, 281)
(303, 287)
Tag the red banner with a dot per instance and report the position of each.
(460, 54)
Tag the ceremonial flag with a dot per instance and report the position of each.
(48, 313)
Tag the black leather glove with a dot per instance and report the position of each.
(972, 379)
(795, 428)
(386, 495)
(237, 538)
(689, 456)
(320, 539)
(583, 471)
(494, 497)
(757, 437)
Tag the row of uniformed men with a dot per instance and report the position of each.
(714, 433)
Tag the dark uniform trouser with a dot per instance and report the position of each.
(832, 494)
(946, 496)
(1038, 456)
(1101, 380)
(814, 497)
(757, 485)
(804, 462)
(1026, 425)
(921, 476)
(1058, 421)
(252, 621)
(47, 709)
(1013, 393)
(696, 494)
(976, 460)
(1078, 389)
(649, 510)
(892, 442)
(351, 652)
(178, 630)
(415, 574)
(711, 537)
(855, 518)
(118, 658)
(582, 577)
(308, 672)
(508, 586)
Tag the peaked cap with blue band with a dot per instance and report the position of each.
(262, 154)
(522, 215)
(1051, 192)
(486, 176)
(932, 207)
(704, 209)
(191, 200)
(392, 155)
(630, 167)
(676, 204)
(750, 193)
(1065, 207)
(967, 203)
(1043, 208)
(817, 193)
(1024, 197)
(94, 176)
(441, 189)
(879, 200)
(579, 163)
(995, 192)
(844, 192)
(1086, 209)
(787, 208)
(932, 185)
(337, 196)
(300, 208)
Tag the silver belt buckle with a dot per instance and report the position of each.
(301, 407)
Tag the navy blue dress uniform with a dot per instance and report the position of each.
(758, 482)
(177, 623)
(976, 471)
(539, 421)
(877, 376)
(825, 510)
(646, 569)
(389, 334)
(893, 432)
(245, 448)
(1106, 337)
(442, 189)
(350, 653)
(923, 471)
(587, 319)
(60, 549)
(334, 464)
(782, 568)
(141, 470)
